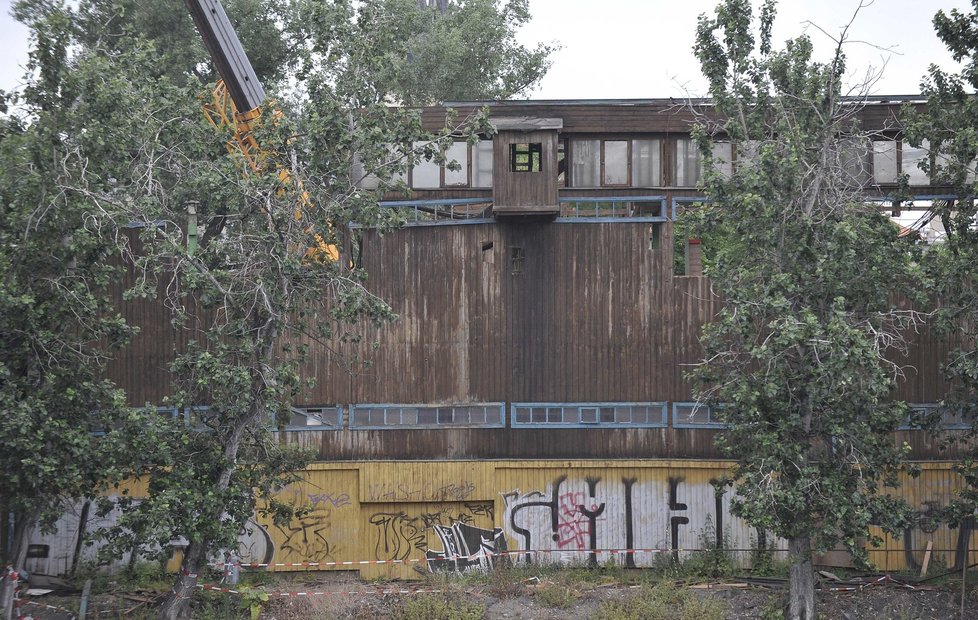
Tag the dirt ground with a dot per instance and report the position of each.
(741, 604)
(527, 602)
(343, 595)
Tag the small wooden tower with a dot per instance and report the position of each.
(525, 166)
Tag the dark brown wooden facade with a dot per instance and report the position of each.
(523, 310)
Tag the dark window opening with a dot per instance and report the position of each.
(38, 551)
(486, 245)
(525, 157)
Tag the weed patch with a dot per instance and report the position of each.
(558, 596)
(664, 601)
(440, 607)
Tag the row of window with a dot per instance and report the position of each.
(639, 163)
(522, 415)
(491, 415)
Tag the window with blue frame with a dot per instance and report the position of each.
(694, 415)
(322, 418)
(427, 416)
(584, 415)
(922, 414)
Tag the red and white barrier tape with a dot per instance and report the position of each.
(453, 558)
(14, 576)
(217, 588)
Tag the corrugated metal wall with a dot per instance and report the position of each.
(569, 511)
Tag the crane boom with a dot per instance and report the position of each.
(225, 50)
(237, 102)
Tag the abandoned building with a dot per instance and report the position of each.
(531, 396)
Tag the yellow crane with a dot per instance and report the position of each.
(236, 103)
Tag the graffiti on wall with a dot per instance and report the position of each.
(404, 492)
(563, 514)
(589, 515)
(465, 547)
(400, 535)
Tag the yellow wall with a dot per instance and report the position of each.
(374, 511)
(420, 512)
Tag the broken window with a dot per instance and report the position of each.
(526, 156)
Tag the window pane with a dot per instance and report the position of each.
(409, 416)
(646, 166)
(687, 163)
(854, 159)
(693, 414)
(525, 157)
(747, 151)
(539, 415)
(723, 158)
(589, 415)
(426, 174)
(912, 156)
(616, 162)
(586, 165)
(884, 161)
(482, 164)
(459, 153)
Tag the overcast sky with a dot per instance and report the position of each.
(618, 49)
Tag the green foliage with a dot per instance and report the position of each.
(99, 171)
(713, 560)
(440, 607)
(419, 57)
(765, 561)
(773, 609)
(116, 26)
(664, 601)
(559, 596)
(950, 128)
(58, 262)
(798, 355)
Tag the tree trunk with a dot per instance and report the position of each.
(801, 580)
(177, 604)
(23, 529)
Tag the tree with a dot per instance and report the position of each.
(118, 25)
(797, 358)
(459, 51)
(949, 129)
(66, 430)
(251, 291)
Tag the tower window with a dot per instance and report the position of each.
(525, 157)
